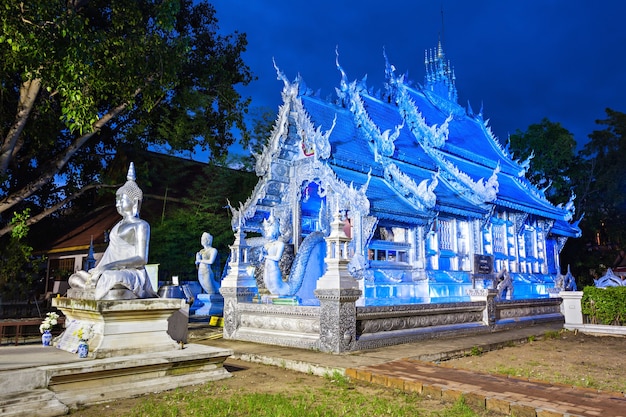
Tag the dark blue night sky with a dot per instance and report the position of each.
(521, 60)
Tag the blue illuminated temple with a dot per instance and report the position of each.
(432, 202)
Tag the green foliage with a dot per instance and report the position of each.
(605, 305)
(553, 148)
(594, 175)
(18, 268)
(176, 238)
(511, 371)
(552, 334)
(105, 73)
(329, 401)
(476, 351)
(20, 228)
(262, 121)
(604, 193)
(458, 409)
(338, 379)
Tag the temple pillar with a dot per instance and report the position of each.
(338, 292)
(488, 296)
(239, 285)
(571, 307)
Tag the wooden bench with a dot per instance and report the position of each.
(21, 325)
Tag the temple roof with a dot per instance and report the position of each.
(352, 160)
(419, 152)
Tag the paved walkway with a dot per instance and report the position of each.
(417, 367)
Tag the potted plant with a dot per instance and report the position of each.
(46, 328)
(83, 334)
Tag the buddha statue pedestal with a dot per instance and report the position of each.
(130, 351)
(117, 327)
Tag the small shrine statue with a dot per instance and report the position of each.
(204, 262)
(272, 252)
(566, 282)
(121, 272)
(505, 284)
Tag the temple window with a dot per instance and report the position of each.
(530, 244)
(463, 238)
(63, 266)
(380, 251)
(487, 240)
(499, 239)
(390, 245)
(446, 235)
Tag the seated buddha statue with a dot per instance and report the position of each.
(121, 273)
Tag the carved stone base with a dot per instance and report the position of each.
(118, 327)
(112, 294)
(337, 319)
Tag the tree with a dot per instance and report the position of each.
(18, 267)
(597, 176)
(552, 147)
(176, 238)
(262, 121)
(80, 77)
(604, 198)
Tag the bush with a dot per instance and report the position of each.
(605, 305)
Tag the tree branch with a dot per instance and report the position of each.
(28, 93)
(34, 219)
(57, 164)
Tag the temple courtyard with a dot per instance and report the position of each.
(552, 360)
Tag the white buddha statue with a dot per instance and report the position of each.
(121, 272)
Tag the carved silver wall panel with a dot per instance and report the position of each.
(536, 308)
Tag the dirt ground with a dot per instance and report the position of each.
(569, 358)
(596, 362)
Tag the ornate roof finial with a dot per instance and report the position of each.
(344, 77)
(279, 74)
(440, 77)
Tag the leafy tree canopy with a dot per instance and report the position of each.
(18, 268)
(604, 188)
(175, 239)
(551, 149)
(80, 77)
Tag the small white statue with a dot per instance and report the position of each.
(272, 252)
(505, 284)
(204, 262)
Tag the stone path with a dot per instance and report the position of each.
(512, 396)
